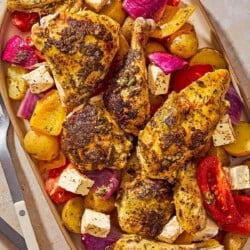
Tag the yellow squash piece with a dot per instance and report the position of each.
(41, 146)
(48, 114)
(170, 23)
(241, 147)
(15, 83)
(72, 214)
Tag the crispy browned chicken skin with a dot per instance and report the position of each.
(79, 48)
(91, 138)
(144, 206)
(183, 126)
(127, 97)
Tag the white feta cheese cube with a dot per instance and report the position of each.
(224, 132)
(74, 181)
(95, 223)
(39, 79)
(170, 231)
(238, 177)
(211, 229)
(158, 81)
(96, 4)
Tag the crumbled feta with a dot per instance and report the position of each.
(158, 81)
(224, 132)
(72, 180)
(238, 177)
(170, 231)
(95, 223)
(39, 79)
(211, 229)
(96, 4)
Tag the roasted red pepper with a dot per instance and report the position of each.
(182, 78)
(216, 192)
(243, 226)
(173, 2)
(24, 21)
(56, 193)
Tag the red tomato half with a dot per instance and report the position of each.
(182, 78)
(56, 193)
(24, 21)
(216, 192)
(243, 226)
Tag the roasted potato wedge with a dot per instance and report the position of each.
(184, 42)
(72, 213)
(241, 147)
(209, 56)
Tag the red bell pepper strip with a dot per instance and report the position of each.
(243, 226)
(56, 193)
(182, 78)
(24, 21)
(216, 192)
(173, 2)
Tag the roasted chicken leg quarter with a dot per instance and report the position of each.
(183, 126)
(127, 97)
(79, 48)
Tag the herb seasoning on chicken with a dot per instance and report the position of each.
(79, 48)
(91, 139)
(127, 97)
(183, 126)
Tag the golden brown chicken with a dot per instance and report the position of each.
(144, 206)
(136, 242)
(41, 6)
(189, 208)
(79, 48)
(91, 139)
(127, 97)
(183, 126)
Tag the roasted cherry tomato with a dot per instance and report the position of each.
(216, 192)
(243, 226)
(173, 2)
(24, 21)
(182, 78)
(56, 193)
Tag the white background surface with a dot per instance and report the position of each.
(231, 19)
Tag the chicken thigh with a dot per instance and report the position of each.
(79, 48)
(91, 138)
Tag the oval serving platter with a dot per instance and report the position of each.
(207, 37)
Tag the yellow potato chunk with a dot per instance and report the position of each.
(72, 214)
(209, 56)
(241, 147)
(154, 46)
(15, 83)
(48, 114)
(41, 146)
(184, 42)
(92, 201)
(115, 10)
(234, 241)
